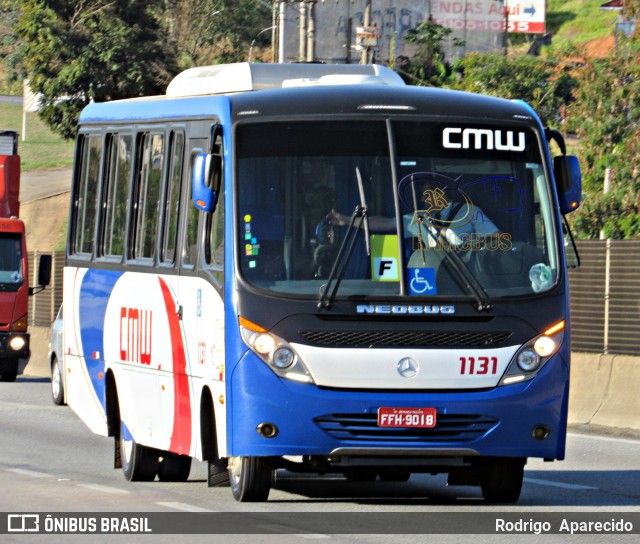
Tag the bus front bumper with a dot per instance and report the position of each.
(527, 419)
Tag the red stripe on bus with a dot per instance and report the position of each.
(181, 433)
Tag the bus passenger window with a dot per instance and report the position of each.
(116, 194)
(86, 191)
(172, 198)
(190, 248)
(147, 195)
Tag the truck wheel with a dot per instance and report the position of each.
(8, 370)
(139, 463)
(250, 478)
(174, 467)
(501, 479)
(57, 386)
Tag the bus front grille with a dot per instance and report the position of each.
(403, 338)
(364, 427)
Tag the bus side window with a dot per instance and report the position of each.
(190, 247)
(172, 197)
(115, 194)
(146, 196)
(86, 192)
(214, 245)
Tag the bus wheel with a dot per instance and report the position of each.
(57, 387)
(139, 463)
(173, 467)
(250, 478)
(217, 473)
(501, 479)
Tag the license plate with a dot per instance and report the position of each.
(407, 417)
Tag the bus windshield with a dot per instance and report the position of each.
(443, 201)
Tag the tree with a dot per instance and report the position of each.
(10, 47)
(428, 66)
(84, 50)
(606, 117)
(544, 84)
(215, 31)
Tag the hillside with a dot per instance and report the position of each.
(46, 222)
(579, 21)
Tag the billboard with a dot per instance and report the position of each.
(526, 16)
(340, 25)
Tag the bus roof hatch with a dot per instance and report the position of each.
(244, 76)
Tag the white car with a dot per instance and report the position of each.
(56, 360)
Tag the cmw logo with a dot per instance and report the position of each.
(482, 138)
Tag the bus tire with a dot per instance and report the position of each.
(250, 478)
(139, 463)
(501, 479)
(217, 473)
(57, 385)
(173, 467)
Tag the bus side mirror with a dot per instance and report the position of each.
(566, 169)
(207, 170)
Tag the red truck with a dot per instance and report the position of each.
(14, 270)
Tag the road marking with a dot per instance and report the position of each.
(605, 438)
(105, 489)
(312, 536)
(27, 472)
(184, 507)
(560, 484)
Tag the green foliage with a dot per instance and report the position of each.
(216, 31)
(543, 84)
(606, 117)
(428, 66)
(97, 50)
(77, 51)
(10, 56)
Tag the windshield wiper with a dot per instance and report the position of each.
(348, 244)
(455, 262)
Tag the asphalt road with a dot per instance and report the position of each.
(50, 462)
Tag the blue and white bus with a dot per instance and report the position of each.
(317, 268)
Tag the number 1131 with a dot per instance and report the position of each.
(478, 365)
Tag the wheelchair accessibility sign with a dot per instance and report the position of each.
(422, 281)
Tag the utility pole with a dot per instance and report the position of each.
(364, 59)
(505, 35)
(281, 22)
(302, 46)
(311, 31)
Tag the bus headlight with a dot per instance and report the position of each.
(264, 344)
(274, 351)
(528, 360)
(283, 357)
(533, 355)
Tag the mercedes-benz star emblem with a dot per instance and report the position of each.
(408, 367)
